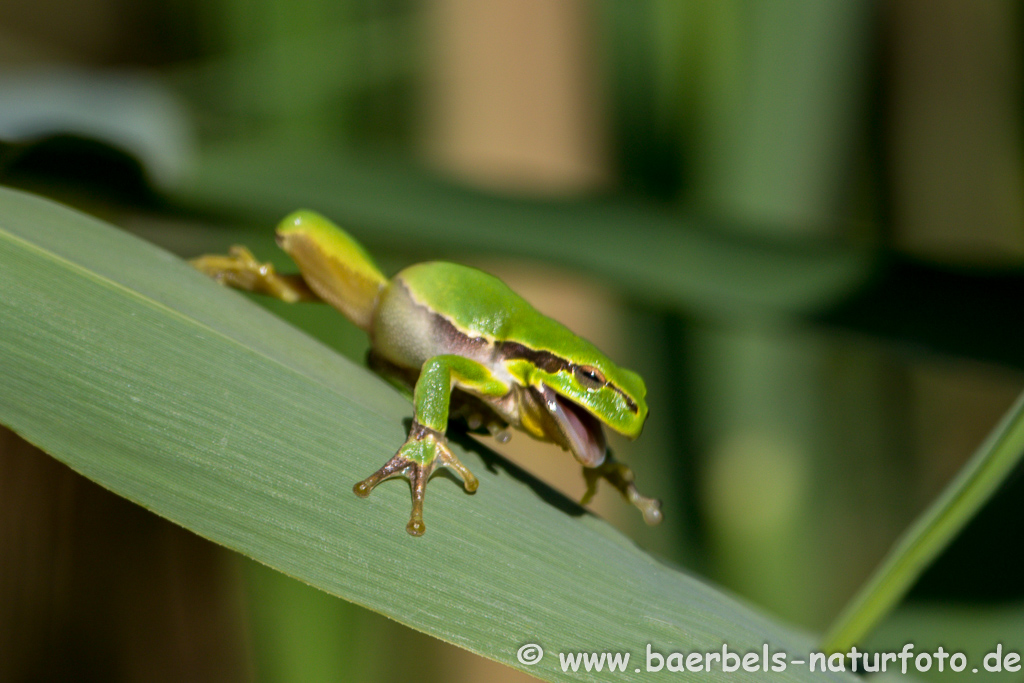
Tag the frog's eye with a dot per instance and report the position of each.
(590, 378)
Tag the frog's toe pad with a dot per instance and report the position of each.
(650, 508)
(621, 477)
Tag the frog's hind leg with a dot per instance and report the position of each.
(333, 264)
(621, 477)
(335, 268)
(239, 269)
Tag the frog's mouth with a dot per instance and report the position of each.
(580, 431)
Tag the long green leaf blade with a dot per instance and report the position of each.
(932, 532)
(119, 360)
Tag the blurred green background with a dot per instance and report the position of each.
(802, 222)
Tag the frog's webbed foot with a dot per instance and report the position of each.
(419, 457)
(240, 270)
(621, 477)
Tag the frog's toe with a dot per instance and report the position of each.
(395, 467)
(621, 477)
(650, 508)
(418, 485)
(445, 458)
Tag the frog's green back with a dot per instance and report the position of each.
(479, 304)
(482, 305)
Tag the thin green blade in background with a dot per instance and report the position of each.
(119, 360)
(932, 532)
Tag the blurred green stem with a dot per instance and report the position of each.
(933, 531)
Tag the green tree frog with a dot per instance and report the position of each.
(464, 344)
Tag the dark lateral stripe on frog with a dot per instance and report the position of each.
(550, 363)
(459, 340)
(544, 360)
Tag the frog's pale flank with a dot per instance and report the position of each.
(465, 344)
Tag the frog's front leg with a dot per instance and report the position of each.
(426, 448)
(621, 477)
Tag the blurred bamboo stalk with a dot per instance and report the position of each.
(773, 126)
(514, 96)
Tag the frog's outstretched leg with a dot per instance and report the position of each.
(240, 270)
(621, 477)
(426, 448)
(335, 268)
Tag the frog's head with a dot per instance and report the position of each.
(579, 396)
